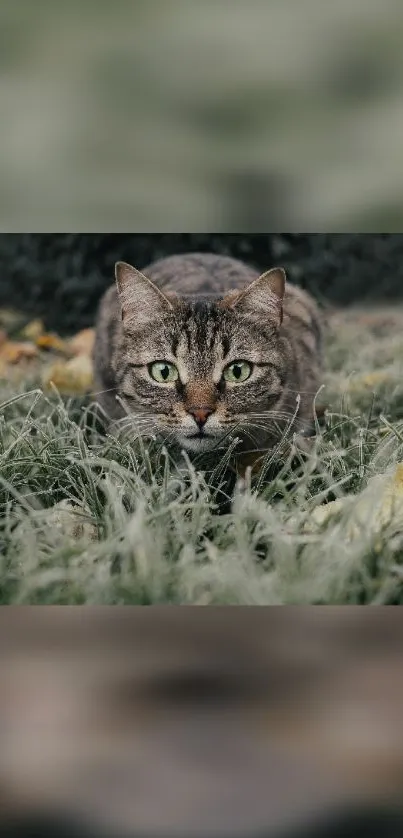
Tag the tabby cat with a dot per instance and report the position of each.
(200, 349)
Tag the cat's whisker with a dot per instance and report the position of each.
(312, 393)
(270, 422)
(95, 393)
(252, 438)
(269, 419)
(142, 425)
(260, 428)
(275, 422)
(276, 414)
(256, 450)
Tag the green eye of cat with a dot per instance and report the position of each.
(238, 372)
(163, 372)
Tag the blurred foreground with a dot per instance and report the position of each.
(182, 722)
(220, 116)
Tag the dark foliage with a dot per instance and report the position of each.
(62, 276)
(368, 824)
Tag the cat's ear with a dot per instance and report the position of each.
(264, 296)
(142, 302)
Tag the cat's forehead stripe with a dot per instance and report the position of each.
(202, 328)
(181, 355)
(200, 350)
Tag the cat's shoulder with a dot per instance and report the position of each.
(299, 304)
(109, 304)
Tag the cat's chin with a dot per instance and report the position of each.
(199, 443)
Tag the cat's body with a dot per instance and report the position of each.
(206, 322)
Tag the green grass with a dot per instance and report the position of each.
(144, 529)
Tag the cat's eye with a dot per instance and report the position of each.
(237, 372)
(163, 372)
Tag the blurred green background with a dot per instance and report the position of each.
(61, 276)
(153, 115)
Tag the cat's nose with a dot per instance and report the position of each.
(200, 415)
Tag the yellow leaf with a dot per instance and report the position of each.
(392, 499)
(323, 513)
(33, 330)
(378, 506)
(371, 380)
(71, 377)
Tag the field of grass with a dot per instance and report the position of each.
(89, 518)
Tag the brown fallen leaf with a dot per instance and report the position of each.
(71, 519)
(73, 377)
(82, 343)
(11, 352)
(52, 342)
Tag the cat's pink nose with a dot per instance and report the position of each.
(200, 414)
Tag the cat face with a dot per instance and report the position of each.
(201, 370)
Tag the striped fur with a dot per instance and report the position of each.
(202, 312)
